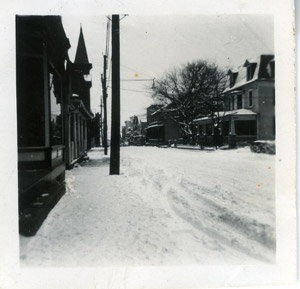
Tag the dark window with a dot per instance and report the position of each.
(232, 102)
(272, 68)
(239, 101)
(208, 129)
(249, 72)
(274, 96)
(250, 98)
(225, 128)
(30, 101)
(245, 127)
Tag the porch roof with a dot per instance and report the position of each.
(237, 112)
(78, 104)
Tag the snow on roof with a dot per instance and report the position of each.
(259, 72)
(165, 108)
(231, 112)
(155, 125)
(240, 111)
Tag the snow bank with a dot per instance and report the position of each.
(264, 146)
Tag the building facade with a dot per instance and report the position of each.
(42, 102)
(134, 131)
(53, 114)
(161, 129)
(79, 121)
(249, 108)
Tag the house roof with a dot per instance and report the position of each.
(260, 71)
(165, 108)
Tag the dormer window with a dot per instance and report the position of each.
(232, 77)
(250, 69)
(249, 72)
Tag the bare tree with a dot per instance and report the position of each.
(192, 91)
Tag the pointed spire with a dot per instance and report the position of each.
(81, 53)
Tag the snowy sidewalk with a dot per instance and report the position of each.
(168, 207)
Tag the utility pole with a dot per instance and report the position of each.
(115, 110)
(104, 92)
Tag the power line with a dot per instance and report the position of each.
(135, 70)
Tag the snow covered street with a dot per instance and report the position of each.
(168, 207)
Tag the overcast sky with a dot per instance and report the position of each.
(151, 45)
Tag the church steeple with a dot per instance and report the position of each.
(81, 56)
(81, 67)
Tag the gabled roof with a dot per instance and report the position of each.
(81, 56)
(260, 72)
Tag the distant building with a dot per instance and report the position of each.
(249, 109)
(162, 128)
(134, 131)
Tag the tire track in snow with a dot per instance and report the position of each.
(227, 231)
(219, 224)
(251, 228)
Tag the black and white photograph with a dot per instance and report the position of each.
(152, 141)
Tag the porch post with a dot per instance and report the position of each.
(232, 135)
(75, 135)
(85, 135)
(221, 128)
(81, 135)
(232, 127)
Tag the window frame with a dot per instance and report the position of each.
(239, 103)
(52, 70)
(250, 97)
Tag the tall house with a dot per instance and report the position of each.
(249, 108)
